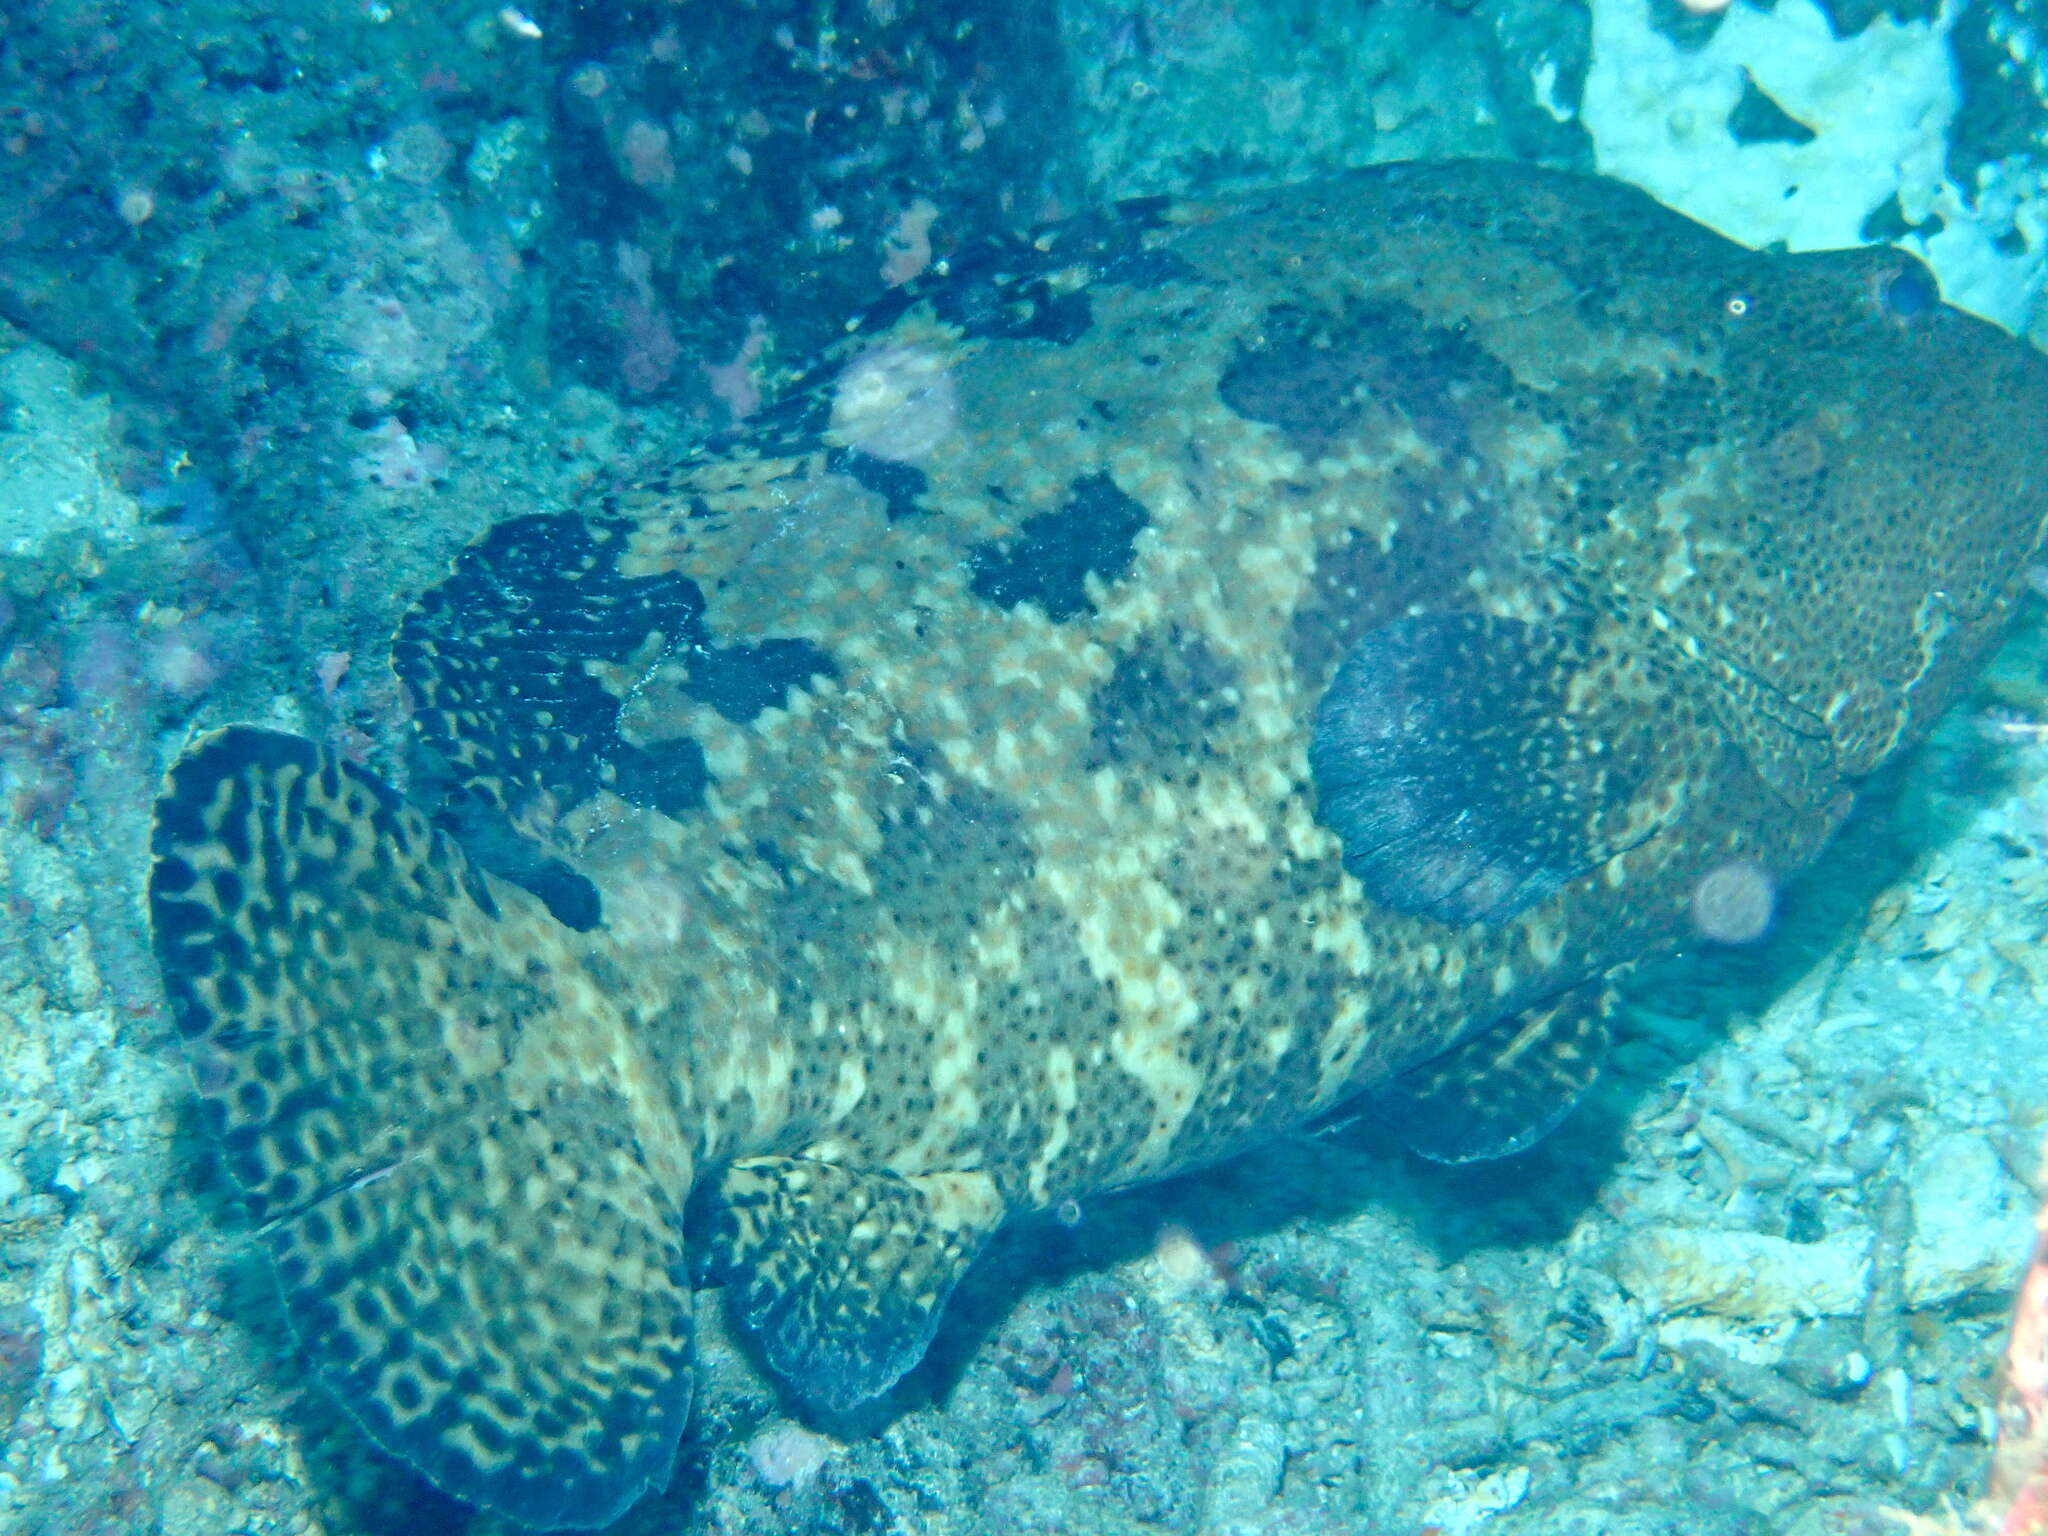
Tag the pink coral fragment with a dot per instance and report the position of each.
(397, 461)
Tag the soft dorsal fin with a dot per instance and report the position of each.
(1508, 1086)
(842, 1272)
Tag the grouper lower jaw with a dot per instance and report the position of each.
(1152, 684)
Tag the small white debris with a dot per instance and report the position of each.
(787, 1455)
(1476, 1500)
(1247, 1475)
(1748, 1275)
(1971, 1231)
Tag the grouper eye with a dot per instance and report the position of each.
(1908, 291)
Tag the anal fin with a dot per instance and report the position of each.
(841, 1273)
(1508, 1086)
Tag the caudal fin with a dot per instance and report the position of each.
(469, 1180)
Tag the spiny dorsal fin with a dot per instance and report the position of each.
(1509, 1086)
(842, 1272)
(477, 1232)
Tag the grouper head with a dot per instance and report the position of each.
(1860, 530)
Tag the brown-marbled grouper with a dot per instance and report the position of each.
(1148, 685)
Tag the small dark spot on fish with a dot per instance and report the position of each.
(899, 485)
(742, 680)
(1050, 558)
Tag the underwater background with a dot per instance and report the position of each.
(296, 300)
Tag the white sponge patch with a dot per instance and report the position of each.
(1878, 106)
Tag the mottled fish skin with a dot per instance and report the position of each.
(1146, 688)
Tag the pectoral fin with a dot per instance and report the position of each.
(1509, 1086)
(1471, 765)
(840, 1272)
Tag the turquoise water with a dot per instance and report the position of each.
(298, 302)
